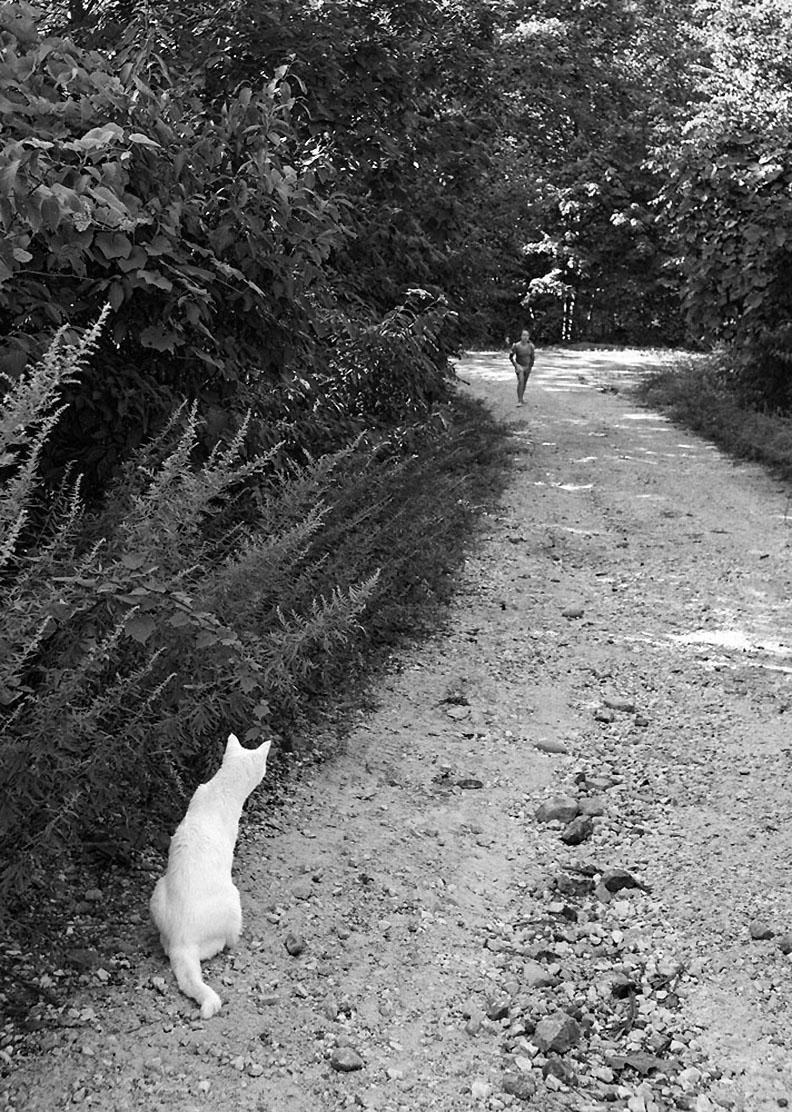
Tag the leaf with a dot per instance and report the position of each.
(140, 627)
(153, 278)
(113, 245)
(143, 140)
(8, 176)
(116, 296)
(155, 336)
(99, 137)
(51, 213)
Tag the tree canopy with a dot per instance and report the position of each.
(247, 182)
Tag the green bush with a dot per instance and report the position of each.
(706, 394)
(207, 594)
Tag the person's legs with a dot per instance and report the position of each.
(522, 378)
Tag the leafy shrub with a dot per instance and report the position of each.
(705, 394)
(206, 229)
(131, 641)
(206, 594)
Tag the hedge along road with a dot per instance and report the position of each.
(415, 938)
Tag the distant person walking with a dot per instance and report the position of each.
(522, 357)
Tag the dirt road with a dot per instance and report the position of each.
(623, 637)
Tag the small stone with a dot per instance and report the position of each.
(330, 1008)
(554, 1067)
(574, 611)
(594, 805)
(689, 1078)
(94, 895)
(579, 830)
(302, 890)
(558, 1032)
(617, 879)
(760, 931)
(255, 1069)
(615, 703)
(622, 986)
(641, 720)
(548, 745)
(345, 1060)
(497, 1009)
(521, 1086)
(561, 808)
(480, 1090)
(536, 976)
(295, 944)
(784, 943)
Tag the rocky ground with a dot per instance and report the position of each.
(552, 869)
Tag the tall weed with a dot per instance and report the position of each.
(706, 393)
(207, 594)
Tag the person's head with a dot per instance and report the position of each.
(525, 335)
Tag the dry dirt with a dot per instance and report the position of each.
(427, 893)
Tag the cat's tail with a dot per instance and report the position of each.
(187, 967)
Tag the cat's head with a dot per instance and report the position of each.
(246, 766)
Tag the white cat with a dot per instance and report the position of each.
(196, 906)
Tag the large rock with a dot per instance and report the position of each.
(558, 1032)
(559, 808)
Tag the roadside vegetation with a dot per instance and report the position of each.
(703, 393)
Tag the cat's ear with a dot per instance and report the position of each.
(263, 749)
(232, 745)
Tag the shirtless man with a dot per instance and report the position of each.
(522, 357)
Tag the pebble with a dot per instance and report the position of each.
(535, 975)
(574, 611)
(518, 1085)
(615, 703)
(547, 745)
(594, 805)
(558, 1032)
(579, 830)
(617, 879)
(480, 1090)
(561, 808)
(760, 931)
(345, 1059)
(295, 944)
(497, 1009)
(784, 943)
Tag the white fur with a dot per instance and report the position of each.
(195, 906)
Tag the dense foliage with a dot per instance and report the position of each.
(728, 203)
(198, 599)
